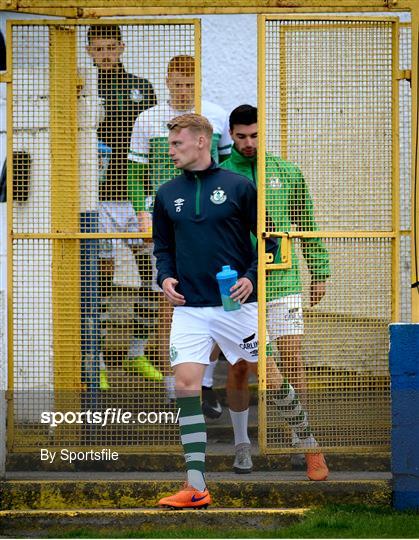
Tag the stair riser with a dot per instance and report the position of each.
(122, 494)
(176, 462)
(27, 526)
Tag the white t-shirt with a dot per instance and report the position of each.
(149, 140)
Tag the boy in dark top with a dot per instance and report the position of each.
(124, 97)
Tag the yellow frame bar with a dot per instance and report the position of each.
(10, 312)
(415, 164)
(334, 234)
(261, 36)
(197, 56)
(79, 235)
(65, 215)
(112, 8)
(395, 177)
(120, 22)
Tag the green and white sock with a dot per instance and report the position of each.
(290, 408)
(193, 434)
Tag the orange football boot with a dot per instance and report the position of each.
(187, 497)
(316, 466)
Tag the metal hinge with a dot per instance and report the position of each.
(5, 77)
(286, 257)
(404, 75)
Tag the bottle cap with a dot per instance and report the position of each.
(227, 273)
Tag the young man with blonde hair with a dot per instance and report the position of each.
(150, 165)
(202, 221)
(193, 238)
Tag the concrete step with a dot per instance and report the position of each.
(41, 523)
(270, 489)
(220, 457)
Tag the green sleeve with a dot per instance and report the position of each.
(302, 215)
(138, 185)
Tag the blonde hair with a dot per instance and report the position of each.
(194, 122)
(183, 64)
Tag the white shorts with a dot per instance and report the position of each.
(285, 316)
(114, 217)
(195, 330)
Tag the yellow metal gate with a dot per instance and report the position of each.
(329, 102)
(328, 106)
(76, 327)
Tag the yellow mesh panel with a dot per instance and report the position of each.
(90, 326)
(405, 97)
(329, 114)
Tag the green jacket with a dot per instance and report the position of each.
(288, 203)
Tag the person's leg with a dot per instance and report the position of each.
(190, 347)
(163, 344)
(286, 328)
(238, 386)
(290, 351)
(208, 378)
(237, 336)
(238, 402)
(286, 399)
(138, 363)
(211, 407)
(188, 379)
(193, 436)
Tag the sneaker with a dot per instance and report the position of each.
(298, 462)
(316, 467)
(103, 380)
(187, 497)
(141, 365)
(243, 462)
(211, 407)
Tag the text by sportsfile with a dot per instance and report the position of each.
(106, 454)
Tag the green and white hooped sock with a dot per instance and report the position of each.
(290, 408)
(193, 435)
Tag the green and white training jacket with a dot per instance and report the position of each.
(289, 205)
(149, 146)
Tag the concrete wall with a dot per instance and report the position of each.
(404, 369)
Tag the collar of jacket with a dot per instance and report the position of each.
(106, 75)
(192, 174)
(239, 159)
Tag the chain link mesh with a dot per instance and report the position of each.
(329, 118)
